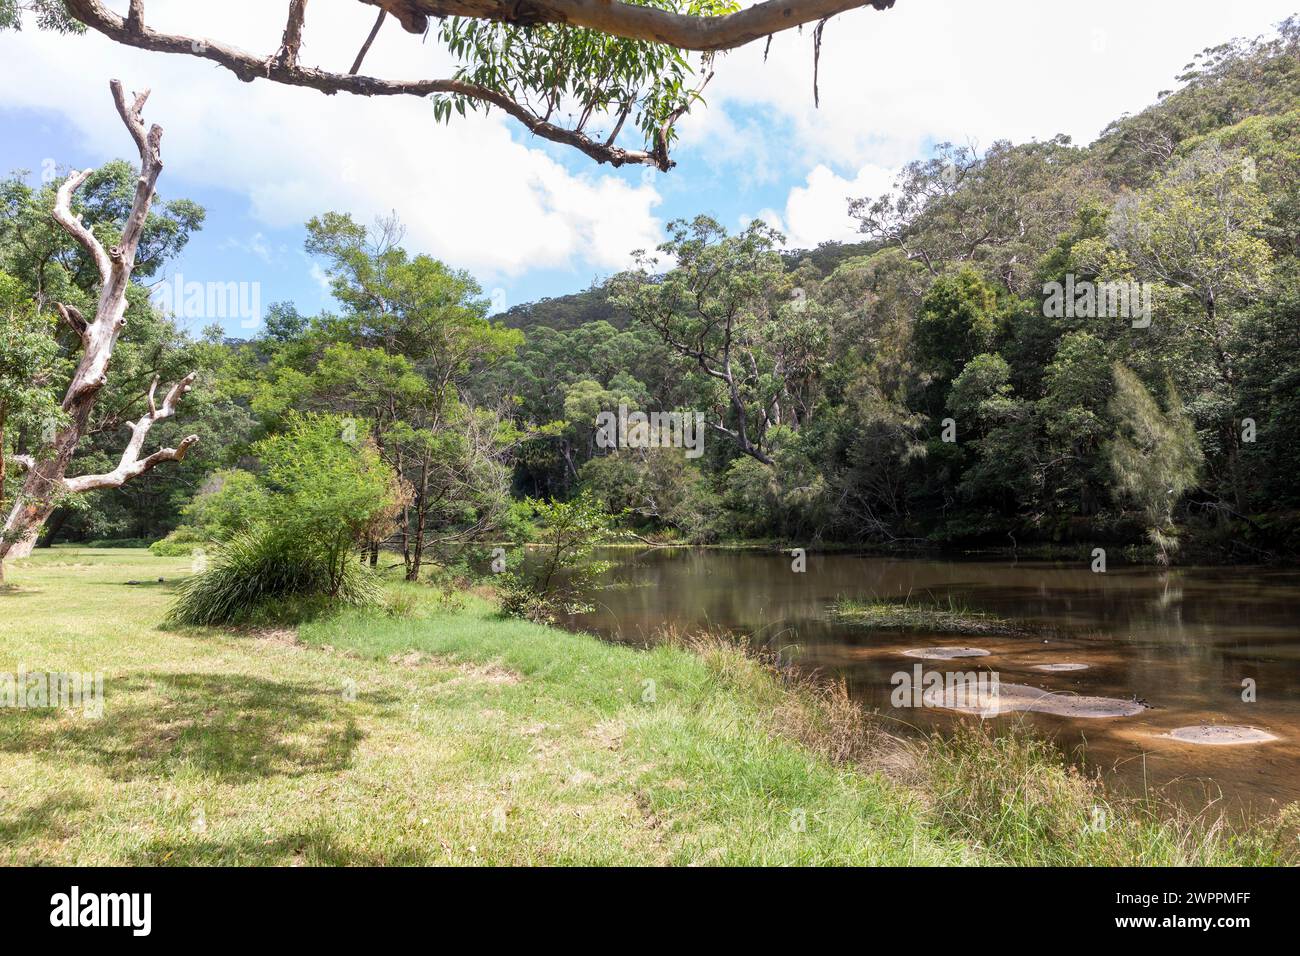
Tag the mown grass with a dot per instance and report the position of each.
(453, 736)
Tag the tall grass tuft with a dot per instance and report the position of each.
(266, 576)
(1011, 795)
(1016, 796)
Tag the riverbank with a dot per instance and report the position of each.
(454, 736)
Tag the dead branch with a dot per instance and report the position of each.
(131, 464)
(365, 47)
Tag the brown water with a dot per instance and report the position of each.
(1181, 641)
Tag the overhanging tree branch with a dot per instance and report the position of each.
(644, 24)
(702, 34)
(285, 69)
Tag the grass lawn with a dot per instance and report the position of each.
(456, 736)
(469, 739)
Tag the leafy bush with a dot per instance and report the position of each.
(181, 542)
(229, 501)
(115, 543)
(322, 491)
(568, 531)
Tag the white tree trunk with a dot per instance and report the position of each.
(45, 483)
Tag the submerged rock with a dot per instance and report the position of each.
(1011, 698)
(1219, 736)
(944, 653)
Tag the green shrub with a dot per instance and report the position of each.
(115, 543)
(568, 531)
(268, 576)
(323, 489)
(229, 501)
(181, 542)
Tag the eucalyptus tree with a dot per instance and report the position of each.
(108, 250)
(411, 334)
(576, 72)
(733, 312)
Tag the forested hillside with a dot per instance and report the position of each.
(1044, 342)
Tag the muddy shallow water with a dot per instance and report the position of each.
(1181, 642)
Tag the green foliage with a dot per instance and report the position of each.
(229, 501)
(733, 313)
(181, 543)
(584, 73)
(267, 576)
(958, 320)
(567, 532)
(49, 15)
(29, 363)
(324, 490)
(657, 489)
(1155, 456)
(327, 487)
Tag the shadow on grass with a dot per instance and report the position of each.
(312, 845)
(229, 726)
(49, 817)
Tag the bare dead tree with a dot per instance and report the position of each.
(45, 482)
(646, 24)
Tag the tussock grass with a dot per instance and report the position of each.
(261, 577)
(1016, 795)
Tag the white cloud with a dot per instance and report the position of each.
(895, 82)
(892, 84)
(256, 245)
(468, 192)
(892, 81)
(819, 209)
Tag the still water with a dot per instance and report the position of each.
(1183, 642)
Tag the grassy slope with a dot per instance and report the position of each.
(483, 741)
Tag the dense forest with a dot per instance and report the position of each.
(1033, 344)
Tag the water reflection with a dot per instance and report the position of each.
(1182, 641)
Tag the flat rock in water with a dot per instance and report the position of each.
(1010, 698)
(1219, 736)
(944, 653)
(1061, 667)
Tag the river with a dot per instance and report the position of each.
(1195, 644)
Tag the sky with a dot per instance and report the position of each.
(528, 218)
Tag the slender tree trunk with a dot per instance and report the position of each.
(422, 494)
